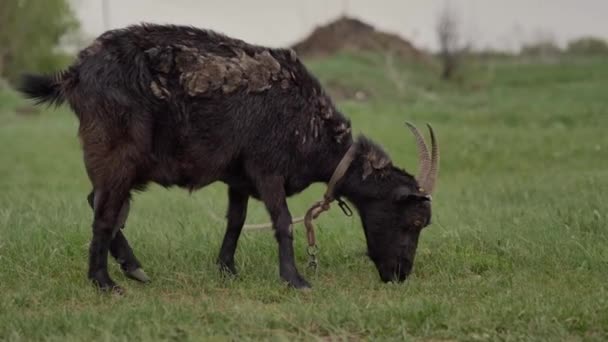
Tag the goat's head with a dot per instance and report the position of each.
(395, 206)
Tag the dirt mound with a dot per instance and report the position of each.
(352, 34)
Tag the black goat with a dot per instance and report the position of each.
(183, 106)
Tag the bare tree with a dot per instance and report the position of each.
(450, 45)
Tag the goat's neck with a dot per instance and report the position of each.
(331, 161)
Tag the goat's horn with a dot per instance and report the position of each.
(434, 170)
(423, 156)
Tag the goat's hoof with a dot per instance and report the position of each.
(298, 282)
(110, 289)
(139, 275)
(102, 281)
(227, 269)
(117, 290)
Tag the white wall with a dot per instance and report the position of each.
(501, 24)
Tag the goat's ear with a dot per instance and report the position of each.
(403, 193)
(374, 161)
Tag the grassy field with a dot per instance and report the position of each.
(518, 249)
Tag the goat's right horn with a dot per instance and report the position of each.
(434, 170)
(423, 157)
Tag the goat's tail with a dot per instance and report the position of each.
(44, 88)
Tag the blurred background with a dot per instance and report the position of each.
(486, 24)
(41, 31)
(516, 91)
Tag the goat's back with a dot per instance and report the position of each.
(182, 98)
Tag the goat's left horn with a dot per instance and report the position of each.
(423, 156)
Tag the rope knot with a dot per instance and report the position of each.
(325, 206)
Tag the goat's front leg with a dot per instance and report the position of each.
(272, 193)
(237, 212)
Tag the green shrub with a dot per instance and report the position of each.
(588, 46)
(31, 34)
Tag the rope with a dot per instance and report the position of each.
(317, 208)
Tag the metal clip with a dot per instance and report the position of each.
(312, 257)
(345, 208)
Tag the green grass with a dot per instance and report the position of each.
(518, 249)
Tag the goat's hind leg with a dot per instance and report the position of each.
(119, 246)
(107, 206)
